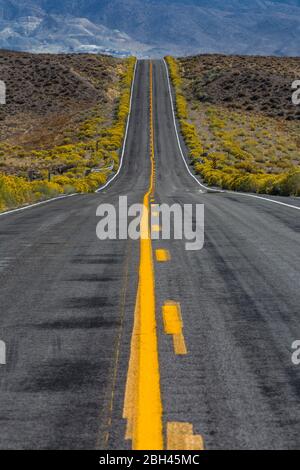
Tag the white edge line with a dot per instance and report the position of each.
(263, 198)
(125, 138)
(236, 193)
(19, 209)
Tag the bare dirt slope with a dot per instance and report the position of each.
(250, 83)
(48, 93)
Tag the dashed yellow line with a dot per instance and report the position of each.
(180, 436)
(155, 228)
(162, 255)
(172, 318)
(143, 405)
(173, 325)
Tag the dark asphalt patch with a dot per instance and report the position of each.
(92, 278)
(59, 376)
(78, 323)
(87, 302)
(95, 260)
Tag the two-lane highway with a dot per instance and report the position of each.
(68, 304)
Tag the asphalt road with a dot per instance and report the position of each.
(67, 306)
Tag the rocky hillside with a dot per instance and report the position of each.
(47, 94)
(259, 84)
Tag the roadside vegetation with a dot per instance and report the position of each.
(233, 144)
(75, 146)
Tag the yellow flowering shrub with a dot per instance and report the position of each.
(97, 147)
(234, 157)
(188, 130)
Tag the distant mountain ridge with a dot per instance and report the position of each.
(152, 27)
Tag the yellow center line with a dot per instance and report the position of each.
(143, 404)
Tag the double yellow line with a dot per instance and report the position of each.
(143, 404)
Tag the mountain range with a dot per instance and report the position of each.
(151, 28)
